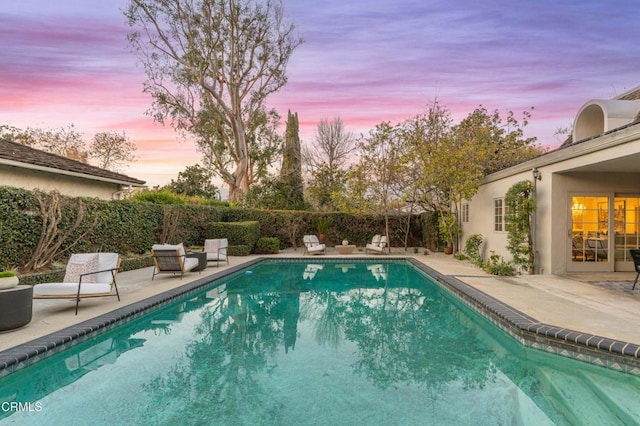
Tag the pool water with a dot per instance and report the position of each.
(322, 343)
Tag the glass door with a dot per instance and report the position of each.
(626, 226)
(589, 233)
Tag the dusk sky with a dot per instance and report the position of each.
(68, 62)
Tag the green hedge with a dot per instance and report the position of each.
(238, 233)
(238, 250)
(267, 245)
(132, 227)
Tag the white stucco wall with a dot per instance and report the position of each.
(67, 185)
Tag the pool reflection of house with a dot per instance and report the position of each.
(587, 193)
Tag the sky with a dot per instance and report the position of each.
(367, 61)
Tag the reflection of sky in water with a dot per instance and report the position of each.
(282, 347)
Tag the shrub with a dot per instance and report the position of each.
(267, 245)
(238, 250)
(498, 266)
(472, 249)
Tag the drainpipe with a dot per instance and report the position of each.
(536, 177)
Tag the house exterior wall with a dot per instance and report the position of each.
(68, 185)
(608, 166)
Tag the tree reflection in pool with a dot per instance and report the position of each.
(320, 343)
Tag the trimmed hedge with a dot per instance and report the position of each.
(238, 233)
(238, 250)
(267, 245)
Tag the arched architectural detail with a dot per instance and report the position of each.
(599, 116)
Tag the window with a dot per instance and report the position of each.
(465, 213)
(499, 214)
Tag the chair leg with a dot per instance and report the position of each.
(636, 281)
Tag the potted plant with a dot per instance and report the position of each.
(8, 279)
(449, 230)
(322, 225)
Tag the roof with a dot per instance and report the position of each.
(15, 154)
(630, 95)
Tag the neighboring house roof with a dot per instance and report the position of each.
(18, 155)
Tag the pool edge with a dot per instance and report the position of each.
(586, 347)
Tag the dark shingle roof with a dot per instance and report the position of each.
(30, 156)
(631, 95)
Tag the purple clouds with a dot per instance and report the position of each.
(366, 61)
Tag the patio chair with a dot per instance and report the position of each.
(635, 254)
(312, 245)
(86, 275)
(171, 259)
(216, 250)
(377, 244)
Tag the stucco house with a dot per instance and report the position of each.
(25, 167)
(587, 193)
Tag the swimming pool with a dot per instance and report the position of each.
(314, 343)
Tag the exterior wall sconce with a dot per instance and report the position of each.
(536, 174)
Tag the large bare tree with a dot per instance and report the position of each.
(326, 161)
(210, 66)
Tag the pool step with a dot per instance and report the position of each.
(622, 398)
(576, 400)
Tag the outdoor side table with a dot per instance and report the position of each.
(16, 307)
(202, 259)
(348, 249)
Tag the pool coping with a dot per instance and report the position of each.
(598, 350)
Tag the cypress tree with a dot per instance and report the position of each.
(291, 171)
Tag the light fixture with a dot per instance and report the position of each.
(536, 174)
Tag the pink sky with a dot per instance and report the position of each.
(68, 62)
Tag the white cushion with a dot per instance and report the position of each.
(71, 289)
(79, 264)
(190, 263)
(169, 247)
(216, 256)
(106, 262)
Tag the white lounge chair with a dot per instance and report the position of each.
(312, 245)
(216, 250)
(87, 275)
(171, 259)
(377, 244)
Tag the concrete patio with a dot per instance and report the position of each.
(580, 302)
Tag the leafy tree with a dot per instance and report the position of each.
(381, 152)
(112, 150)
(503, 140)
(65, 141)
(326, 161)
(194, 181)
(210, 66)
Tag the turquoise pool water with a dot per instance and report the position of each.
(291, 343)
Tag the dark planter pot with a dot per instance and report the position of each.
(448, 250)
(322, 238)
